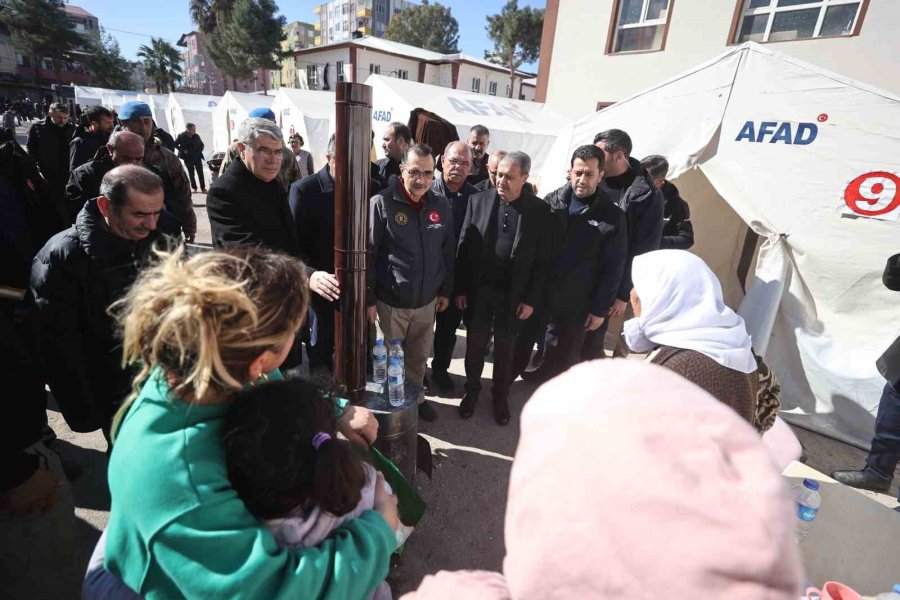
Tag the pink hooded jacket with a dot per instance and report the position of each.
(630, 482)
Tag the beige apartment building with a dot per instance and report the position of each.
(596, 52)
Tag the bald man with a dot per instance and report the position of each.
(491, 181)
(123, 148)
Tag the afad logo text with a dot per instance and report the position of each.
(773, 132)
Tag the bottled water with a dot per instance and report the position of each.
(379, 362)
(808, 503)
(395, 383)
(397, 353)
(894, 595)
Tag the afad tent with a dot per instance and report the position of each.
(309, 113)
(514, 124)
(808, 160)
(233, 108)
(114, 99)
(193, 108)
(158, 104)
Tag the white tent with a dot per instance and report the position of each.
(309, 113)
(158, 104)
(192, 108)
(810, 161)
(514, 124)
(230, 113)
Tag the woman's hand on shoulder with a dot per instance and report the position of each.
(358, 425)
(386, 504)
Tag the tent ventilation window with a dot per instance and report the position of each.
(640, 26)
(785, 20)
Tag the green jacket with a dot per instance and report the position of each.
(177, 528)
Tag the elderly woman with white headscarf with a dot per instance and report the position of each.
(680, 316)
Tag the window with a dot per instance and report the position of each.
(374, 69)
(639, 26)
(476, 85)
(492, 88)
(402, 74)
(312, 77)
(784, 20)
(340, 71)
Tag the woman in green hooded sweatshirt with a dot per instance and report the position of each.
(199, 330)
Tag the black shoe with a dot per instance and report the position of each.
(864, 479)
(501, 412)
(537, 376)
(427, 412)
(442, 381)
(202, 190)
(467, 406)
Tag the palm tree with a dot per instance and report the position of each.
(162, 64)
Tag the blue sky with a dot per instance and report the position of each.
(170, 18)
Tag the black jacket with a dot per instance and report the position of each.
(387, 168)
(84, 146)
(167, 141)
(678, 233)
(643, 205)
(48, 147)
(479, 170)
(84, 184)
(75, 277)
(530, 255)
(589, 254)
(312, 205)
(246, 211)
(483, 185)
(190, 147)
(458, 202)
(411, 252)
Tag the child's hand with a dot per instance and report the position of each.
(386, 504)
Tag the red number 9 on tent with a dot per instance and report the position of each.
(873, 194)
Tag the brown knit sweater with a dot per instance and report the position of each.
(736, 389)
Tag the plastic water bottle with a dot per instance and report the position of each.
(894, 595)
(397, 353)
(379, 362)
(808, 504)
(395, 383)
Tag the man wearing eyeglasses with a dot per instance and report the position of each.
(501, 269)
(411, 254)
(452, 185)
(247, 206)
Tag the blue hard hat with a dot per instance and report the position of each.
(134, 109)
(263, 113)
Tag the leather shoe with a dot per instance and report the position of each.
(864, 479)
(442, 381)
(467, 406)
(427, 412)
(537, 376)
(501, 412)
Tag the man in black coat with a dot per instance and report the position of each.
(479, 139)
(124, 148)
(678, 232)
(492, 162)
(190, 150)
(88, 139)
(501, 270)
(396, 139)
(246, 205)
(48, 146)
(167, 141)
(75, 278)
(631, 189)
(312, 204)
(451, 184)
(590, 247)
(878, 474)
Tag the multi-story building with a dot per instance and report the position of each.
(634, 44)
(138, 77)
(321, 67)
(298, 35)
(42, 71)
(340, 19)
(202, 76)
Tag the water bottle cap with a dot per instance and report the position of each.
(897, 587)
(397, 341)
(811, 484)
(379, 342)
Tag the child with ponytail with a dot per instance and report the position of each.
(287, 464)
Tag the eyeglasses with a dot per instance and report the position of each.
(268, 152)
(459, 163)
(417, 174)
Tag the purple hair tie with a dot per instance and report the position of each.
(319, 439)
